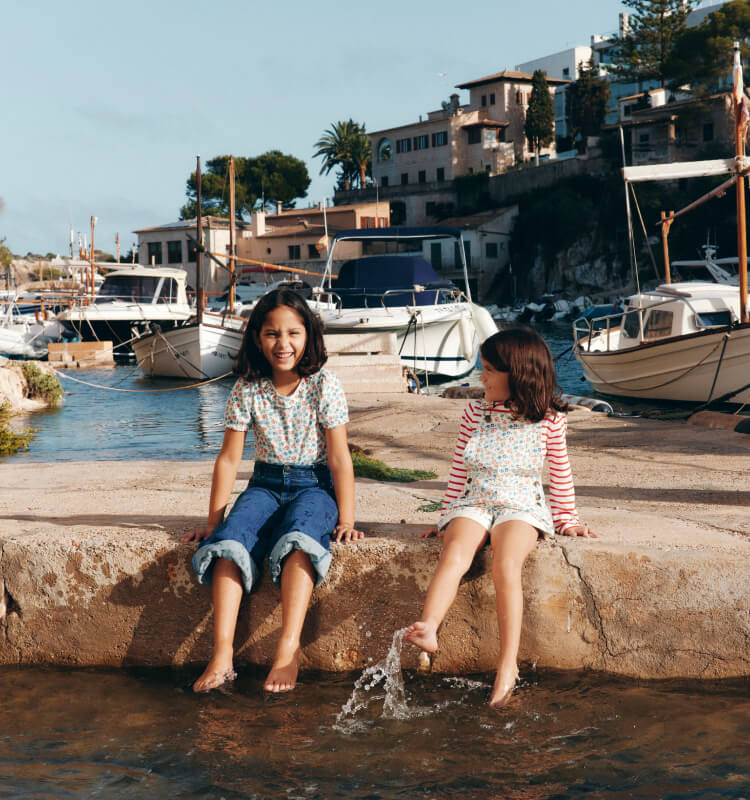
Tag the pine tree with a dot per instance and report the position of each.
(540, 114)
(587, 102)
(653, 28)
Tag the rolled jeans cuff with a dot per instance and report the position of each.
(204, 558)
(319, 556)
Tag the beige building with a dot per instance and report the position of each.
(484, 135)
(174, 245)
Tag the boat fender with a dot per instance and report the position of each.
(466, 335)
(592, 403)
(483, 323)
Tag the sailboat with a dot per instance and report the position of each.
(687, 341)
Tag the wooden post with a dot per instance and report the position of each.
(231, 234)
(740, 152)
(199, 245)
(93, 223)
(666, 224)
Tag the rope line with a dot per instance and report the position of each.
(140, 391)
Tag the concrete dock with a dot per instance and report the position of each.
(92, 571)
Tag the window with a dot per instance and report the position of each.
(429, 210)
(566, 72)
(708, 132)
(436, 255)
(501, 134)
(492, 98)
(385, 151)
(475, 135)
(294, 254)
(658, 324)
(644, 139)
(519, 97)
(174, 252)
(422, 176)
(627, 110)
(484, 100)
(440, 139)
(421, 142)
(403, 145)
(154, 252)
(441, 173)
(709, 319)
(631, 325)
(192, 249)
(384, 180)
(312, 251)
(168, 293)
(404, 178)
(490, 249)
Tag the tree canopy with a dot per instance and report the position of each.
(702, 56)
(653, 28)
(6, 257)
(262, 180)
(345, 145)
(587, 102)
(540, 114)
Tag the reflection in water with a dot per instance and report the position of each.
(144, 734)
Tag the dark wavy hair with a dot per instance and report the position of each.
(523, 353)
(252, 364)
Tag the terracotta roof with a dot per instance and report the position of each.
(508, 75)
(183, 224)
(283, 231)
(640, 94)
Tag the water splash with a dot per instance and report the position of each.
(387, 672)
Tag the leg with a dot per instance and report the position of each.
(297, 581)
(463, 539)
(511, 543)
(226, 589)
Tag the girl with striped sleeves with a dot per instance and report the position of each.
(495, 489)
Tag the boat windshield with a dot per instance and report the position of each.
(130, 289)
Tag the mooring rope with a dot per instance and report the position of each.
(139, 391)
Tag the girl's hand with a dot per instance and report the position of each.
(198, 534)
(433, 531)
(347, 533)
(580, 530)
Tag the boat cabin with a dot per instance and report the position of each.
(670, 310)
(144, 285)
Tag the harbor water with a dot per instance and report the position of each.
(143, 734)
(135, 417)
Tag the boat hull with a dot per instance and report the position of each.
(198, 352)
(439, 340)
(682, 369)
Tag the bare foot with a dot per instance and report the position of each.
(423, 635)
(218, 671)
(283, 674)
(502, 691)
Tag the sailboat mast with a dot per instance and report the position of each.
(740, 120)
(199, 244)
(231, 234)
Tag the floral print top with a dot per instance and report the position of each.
(288, 430)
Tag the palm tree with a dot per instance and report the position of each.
(346, 145)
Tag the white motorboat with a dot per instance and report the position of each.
(681, 341)
(128, 300)
(438, 329)
(21, 336)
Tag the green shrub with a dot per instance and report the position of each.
(367, 467)
(10, 441)
(41, 385)
(51, 274)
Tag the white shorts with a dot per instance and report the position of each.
(490, 518)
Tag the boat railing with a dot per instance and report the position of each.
(585, 330)
(452, 293)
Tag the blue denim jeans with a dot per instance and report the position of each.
(284, 508)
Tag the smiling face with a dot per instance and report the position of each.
(496, 383)
(282, 339)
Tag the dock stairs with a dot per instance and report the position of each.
(366, 362)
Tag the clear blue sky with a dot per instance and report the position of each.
(105, 105)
